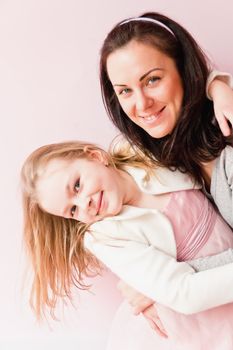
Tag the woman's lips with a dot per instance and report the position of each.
(152, 118)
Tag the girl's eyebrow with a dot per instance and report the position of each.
(65, 212)
(142, 77)
(68, 190)
(70, 182)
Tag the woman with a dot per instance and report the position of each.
(153, 78)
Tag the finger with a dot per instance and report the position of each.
(161, 333)
(227, 113)
(156, 320)
(160, 325)
(223, 124)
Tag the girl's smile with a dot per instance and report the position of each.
(84, 189)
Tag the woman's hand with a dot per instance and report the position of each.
(144, 305)
(222, 96)
(151, 315)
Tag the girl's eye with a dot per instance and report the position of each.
(152, 80)
(77, 186)
(72, 211)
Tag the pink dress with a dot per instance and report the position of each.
(199, 232)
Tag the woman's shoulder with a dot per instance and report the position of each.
(225, 161)
(227, 153)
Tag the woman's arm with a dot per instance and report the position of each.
(221, 187)
(219, 89)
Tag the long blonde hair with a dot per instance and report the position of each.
(55, 244)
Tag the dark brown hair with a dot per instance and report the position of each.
(196, 137)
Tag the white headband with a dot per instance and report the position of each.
(147, 19)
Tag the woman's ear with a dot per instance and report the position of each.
(99, 156)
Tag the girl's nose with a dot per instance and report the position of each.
(82, 202)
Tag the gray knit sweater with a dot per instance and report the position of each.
(222, 184)
(221, 190)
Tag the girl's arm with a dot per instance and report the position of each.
(143, 305)
(147, 307)
(158, 275)
(219, 89)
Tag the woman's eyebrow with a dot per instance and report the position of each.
(119, 85)
(142, 77)
(151, 70)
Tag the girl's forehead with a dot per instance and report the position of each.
(61, 165)
(56, 165)
(55, 176)
(55, 169)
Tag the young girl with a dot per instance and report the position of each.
(81, 203)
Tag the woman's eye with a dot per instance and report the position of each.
(152, 80)
(77, 186)
(72, 211)
(124, 91)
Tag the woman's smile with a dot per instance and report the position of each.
(148, 87)
(152, 119)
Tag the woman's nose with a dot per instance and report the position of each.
(143, 101)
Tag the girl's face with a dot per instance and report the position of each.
(148, 87)
(83, 189)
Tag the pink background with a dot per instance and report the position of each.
(49, 92)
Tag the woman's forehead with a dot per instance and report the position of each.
(135, 60)
(135, 48)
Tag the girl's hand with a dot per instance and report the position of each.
(144, 305)
(222, 96)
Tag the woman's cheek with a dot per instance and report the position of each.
(126, 106)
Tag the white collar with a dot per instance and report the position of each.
(163, 180)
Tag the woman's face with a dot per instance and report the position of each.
(83, 189)
(148, 87)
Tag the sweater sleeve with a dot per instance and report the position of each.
(159, 276)
(212, 261)
(221, 186)
(223, 76)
